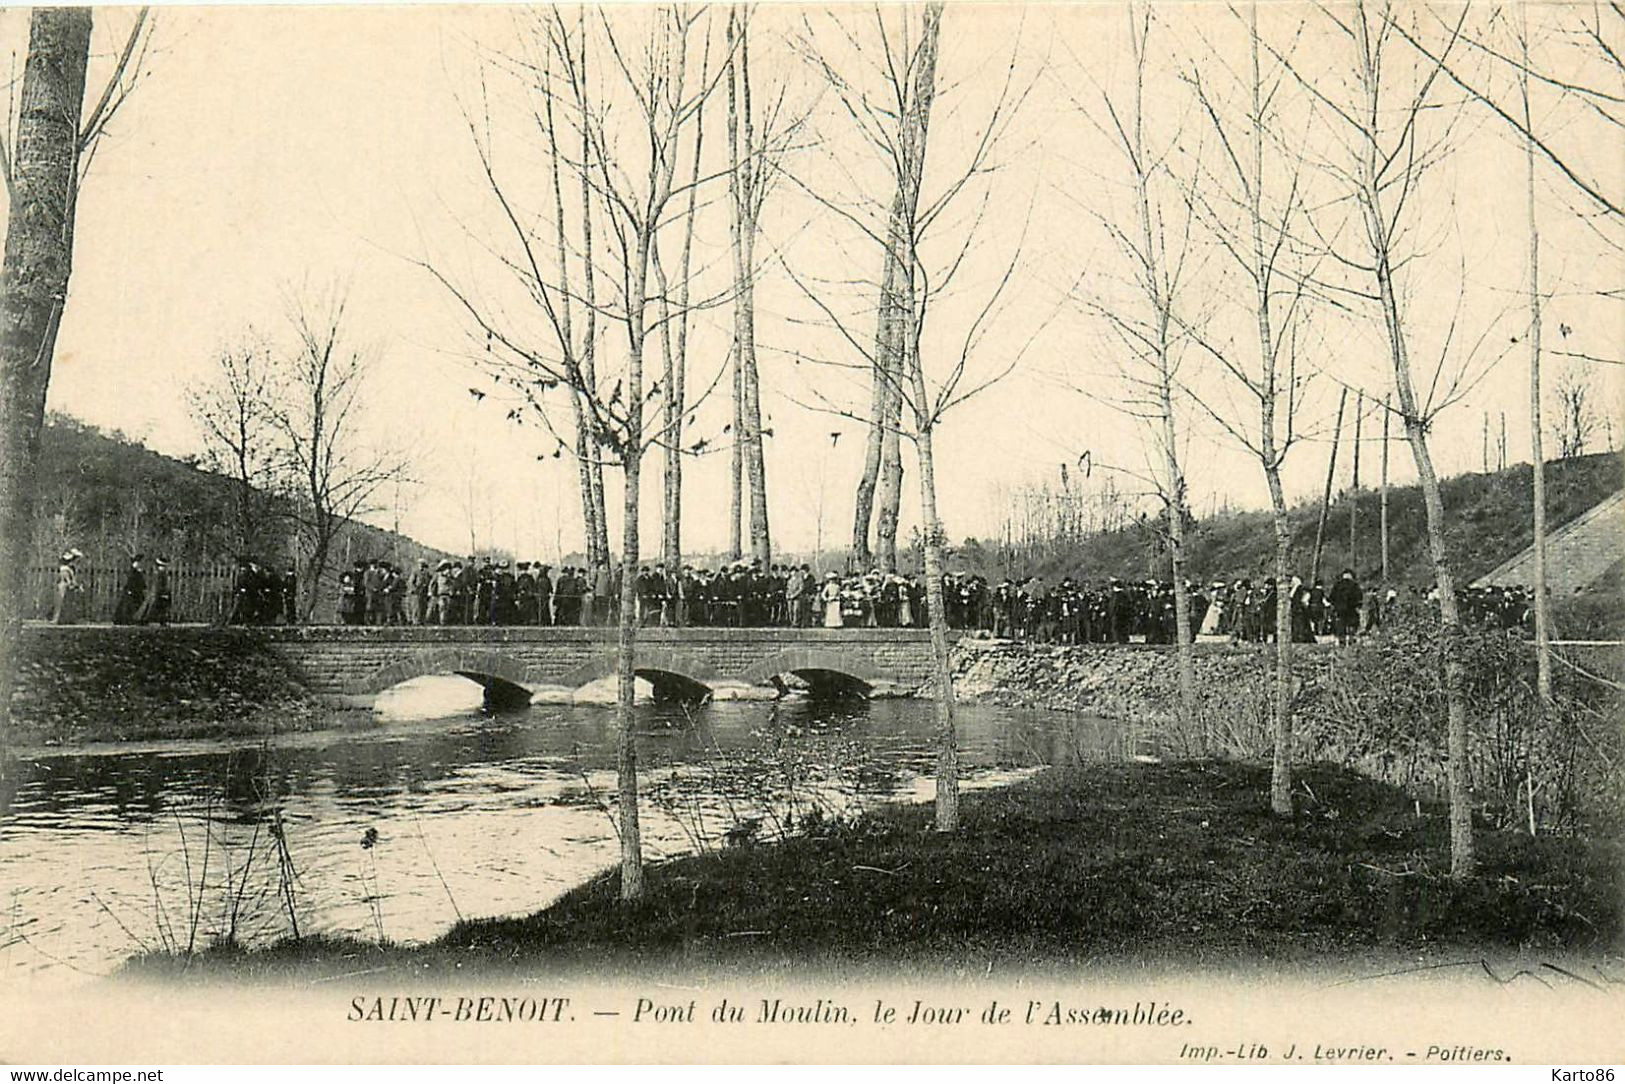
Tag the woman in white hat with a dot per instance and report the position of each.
(68, 589)
(830, 596)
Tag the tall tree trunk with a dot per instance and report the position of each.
(947, 806)
(596, 526)
(1354, 484)
(889, 493)
(1537, 454)
(1185, 648)
(677, 386)
(585, 446)
(1382, 500)
(761, 538)
(1326, 496)
(1376, 225)
(675, 355)
(883, 389)
(584, 453)
(626, 756)
(743, 178)
(736, 461)
(906, 317)
(1281, 700)
(671, 475)
(1163, 362)
(33, 289)
(1270, 453)
(897, 293)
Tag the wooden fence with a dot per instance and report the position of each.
(199, 592)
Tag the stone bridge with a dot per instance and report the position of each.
(351, 665)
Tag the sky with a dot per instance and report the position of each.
(273, 154)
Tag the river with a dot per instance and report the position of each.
(432, 810)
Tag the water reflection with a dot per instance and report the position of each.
(400, 826)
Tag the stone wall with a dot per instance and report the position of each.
(1577, 554)
(141, 681)
(345, 662)
(1139, 684)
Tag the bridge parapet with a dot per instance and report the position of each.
(350, 661)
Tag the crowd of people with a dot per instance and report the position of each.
(747, 594)
(1244, 610)
(740, 594)
(145, 597)
(260, 595)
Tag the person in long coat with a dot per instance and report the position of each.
(155, 607)
(830, 597)
(905, 605)
(1303, 630)
(1345, 599)
(68, 589)
(133, 595)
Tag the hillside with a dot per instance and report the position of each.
(1488, 514)
(110, 497)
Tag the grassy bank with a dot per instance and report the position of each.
(1131, 863)
(83, 684)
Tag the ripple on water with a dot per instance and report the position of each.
(472, 815)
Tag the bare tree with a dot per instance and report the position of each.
(677, 310)
(894, 122)
(1393, 132)
(1152, 333)
(232, 410)
(749, 176)
(885, 414)
(48, 148)
(1581, 77)
(1575, 422)
(1584, 70)
(582, 357)
(1537, 453)
(1252, 205)
(335, 472)
(635, 123)
(636, 180)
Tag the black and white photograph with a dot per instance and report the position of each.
(813, 533)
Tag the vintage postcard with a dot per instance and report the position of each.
(908, 533)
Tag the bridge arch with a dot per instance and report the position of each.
(478, 664)
(673, 675)
(824, 670)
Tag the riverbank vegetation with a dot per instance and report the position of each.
(1376, 708)
(1092, 863)
(108, 685)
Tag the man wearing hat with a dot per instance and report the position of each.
(441, 586)
(242, 592)
(796, 589)
(524, 594)
(155, 607)
(417, 595)
(484, 580)
(133, 594)
(1345, 598)
(567, 597)
(290, 595)
(543, 593)
(605, 594)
